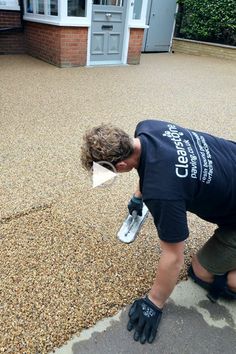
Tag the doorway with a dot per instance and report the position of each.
(107, 31)
(161, 19)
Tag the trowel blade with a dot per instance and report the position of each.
(128, 234)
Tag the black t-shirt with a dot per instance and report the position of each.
(184, 170)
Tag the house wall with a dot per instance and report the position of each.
(135, 45)
(203, 48)
(11, 42)
(61, 46)
(58, 45)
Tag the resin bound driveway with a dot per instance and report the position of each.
(62, 268)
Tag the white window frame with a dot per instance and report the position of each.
(140, 23)
(62, 19)
(9, 5)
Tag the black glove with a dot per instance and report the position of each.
(144, 317)
(135, 203)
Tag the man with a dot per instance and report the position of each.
(179, 170)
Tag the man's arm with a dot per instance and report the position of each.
(145, 313)
(169, 266)
(171, 222)
(137, 192)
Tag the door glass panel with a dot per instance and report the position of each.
(137, 9)
(77, 8)
(108, 2)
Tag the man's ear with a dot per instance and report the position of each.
(121, 166)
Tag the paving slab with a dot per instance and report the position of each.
(190, 324)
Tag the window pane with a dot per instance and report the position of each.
(53, 7)
(39, 7)
(137, 9)
(77, 8)
(108, 2)
(29, 6)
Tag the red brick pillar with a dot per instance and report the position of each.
(135, 45)
(73, 46)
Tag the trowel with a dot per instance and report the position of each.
(131, 226)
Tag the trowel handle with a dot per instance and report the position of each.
(134, 214)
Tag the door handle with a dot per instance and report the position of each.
(153, 14)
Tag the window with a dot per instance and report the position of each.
(108, 2)
(39, 7)
(138, 12)
(42, 7)
(53, 7)
(59, 12)
(76, 8)
(29, 6)
(137, 9)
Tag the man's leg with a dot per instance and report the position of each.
(231, 280)
(208, 277)
(214, 266)
(200, 271)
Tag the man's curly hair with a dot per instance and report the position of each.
(105, 143)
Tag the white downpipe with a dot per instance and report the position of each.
(89, 16)
(126, 34)
(173, 30)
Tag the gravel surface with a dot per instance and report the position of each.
(62, 268)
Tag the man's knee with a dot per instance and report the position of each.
(231, 280)
(208, 277)
(200, 271)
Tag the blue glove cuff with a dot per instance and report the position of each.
(150, 303)
(136, 199)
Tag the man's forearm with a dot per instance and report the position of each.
(168, 270)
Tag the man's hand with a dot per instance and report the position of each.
(136, 204)
(144, 318)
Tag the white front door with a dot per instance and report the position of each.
(107, 31)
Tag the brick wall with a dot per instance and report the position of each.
(201, 48)
(74, 46)
(43, 42)
(61, 46)
(135, 45)
(58, 45)
(10, 18)
(11, 42)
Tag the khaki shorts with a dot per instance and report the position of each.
(218, 255)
